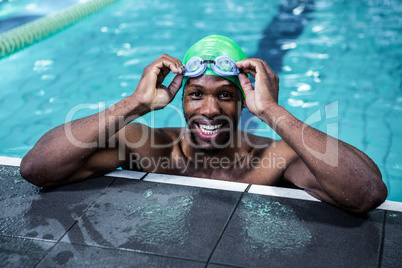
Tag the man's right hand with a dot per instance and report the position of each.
(150, 91)
(59, 158)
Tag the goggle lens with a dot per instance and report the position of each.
(225, 65)
(222, 65)
(192, 65)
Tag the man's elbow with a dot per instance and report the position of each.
(373, 197)
(28, 170)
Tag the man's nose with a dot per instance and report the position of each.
(210, 107)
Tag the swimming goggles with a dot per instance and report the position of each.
(222, 65)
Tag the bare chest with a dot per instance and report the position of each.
(251, 170)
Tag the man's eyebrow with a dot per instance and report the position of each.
(220, 87)
(195, 85)
(201, 86)
(225, 86)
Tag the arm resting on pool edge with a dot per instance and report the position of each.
(70, 152)
(327, 168)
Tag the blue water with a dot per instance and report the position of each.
(14, 13)
(340, 60)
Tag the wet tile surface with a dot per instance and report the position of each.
(30, 211)
(165, 219)
(221, 266)
(289, 232)
(392, 250)
(68, 255)
(121, 222)
(20, 252)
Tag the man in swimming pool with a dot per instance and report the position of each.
(211, 146)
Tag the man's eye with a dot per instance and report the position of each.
(196, 95)
(225, 95)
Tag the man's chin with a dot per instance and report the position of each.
(207, 146)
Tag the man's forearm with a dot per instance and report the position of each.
(346, 174)
(64, 149)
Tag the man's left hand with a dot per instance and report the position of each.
(266, 85)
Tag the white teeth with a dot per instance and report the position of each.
(210, 129)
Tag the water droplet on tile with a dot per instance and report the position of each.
(147, 193)
(268, 221)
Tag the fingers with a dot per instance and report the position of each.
(162, 74)
(255, 66)
(156, 72)
(259, 69)
(162, 66)
(245, 84)
(247, 66)
(175, 85)
(166, 63)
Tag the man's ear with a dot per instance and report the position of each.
(244, 103)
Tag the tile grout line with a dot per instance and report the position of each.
(75, 222)
(138, 251)
(150, 253)
(44, 256)
(226, 225)
(381, 251)
(143, 177)
(28, 238)
(85, 211)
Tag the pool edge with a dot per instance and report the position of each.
(215, 184)
(10, 161)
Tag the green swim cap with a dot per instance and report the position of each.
(211, 47)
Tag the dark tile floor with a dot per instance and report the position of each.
(121, 222)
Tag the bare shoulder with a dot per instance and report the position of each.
(170, 134)
(256, 141)
(264, 147)
(268, 159)
(140, 136)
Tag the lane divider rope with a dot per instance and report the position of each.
(37, 30)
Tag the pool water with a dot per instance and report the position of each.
(14, 13)
(339, 64)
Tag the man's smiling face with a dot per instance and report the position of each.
(212, 108)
